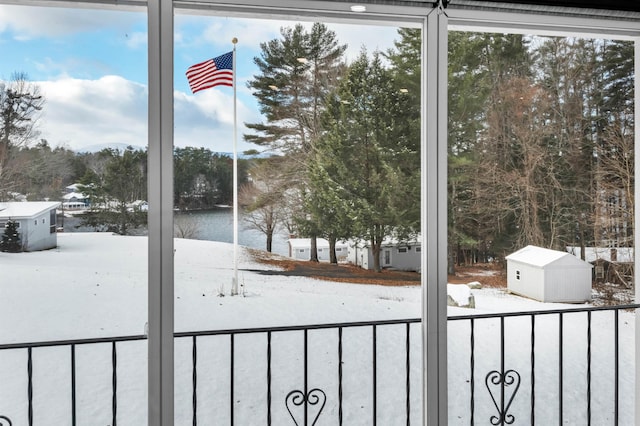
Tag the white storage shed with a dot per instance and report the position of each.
(300, 249)
(403, 256)
(548, 275)
(36, 223)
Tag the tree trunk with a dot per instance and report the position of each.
(451, 263)
(313, 256)
(332, 250)
(269, 241)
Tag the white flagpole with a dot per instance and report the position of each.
(234, 284)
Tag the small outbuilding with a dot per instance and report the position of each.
(548, 275)
(36, 223)
(300, 249)
(394, 254)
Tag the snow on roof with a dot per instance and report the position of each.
(27, 209)
(539, 256)
(76, 195)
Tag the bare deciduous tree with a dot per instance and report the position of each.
(20, 105)
(263, 199)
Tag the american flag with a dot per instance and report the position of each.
(213, 72)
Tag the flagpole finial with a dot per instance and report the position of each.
(234, 40)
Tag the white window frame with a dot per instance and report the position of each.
(461, 15)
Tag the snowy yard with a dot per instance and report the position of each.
(95, 285)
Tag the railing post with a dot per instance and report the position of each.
(408, 367)
(268, 378)
(30, 384)
(232, 360)
(340, 376)
(194, 380)
(73, 385)
(560, 372)
(374, 368)
(588, 368)
(617, 366)
(533, 369)
(114, 384)
(472, 361)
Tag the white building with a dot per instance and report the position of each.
(548, 275)
(403, 256)
(300, 249)
(75, 201)
(36, 223)
(74, 198)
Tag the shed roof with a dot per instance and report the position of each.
(27, 209)
(540, 257)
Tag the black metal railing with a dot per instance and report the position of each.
(298, 375)
(72, 345)
(306, 404)
(502, 384)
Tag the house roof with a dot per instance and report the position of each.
(540, 257)
(74, 195)
(26, 210)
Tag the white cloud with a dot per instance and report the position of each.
(81, 67)
(250, 32)
(34, 22)
(218, 32)
(206, 119)
(357, 36)
(112, 110)
(106, 111)
(84, 111)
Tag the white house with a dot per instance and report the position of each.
(401, 255)
(75, 201)
(36, 222)
(74, 198)
(548, 275)
(300, 249)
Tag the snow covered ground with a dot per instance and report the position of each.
(95, 285)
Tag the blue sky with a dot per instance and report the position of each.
(91, 66)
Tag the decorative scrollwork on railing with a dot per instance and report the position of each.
(497, 384)
(5, 421)
(313, 398)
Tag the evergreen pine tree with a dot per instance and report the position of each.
(11, 238)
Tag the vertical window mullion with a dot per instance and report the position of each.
(434, 217)
(636, 220)
(160, 218)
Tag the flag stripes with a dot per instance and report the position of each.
(213, 72)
